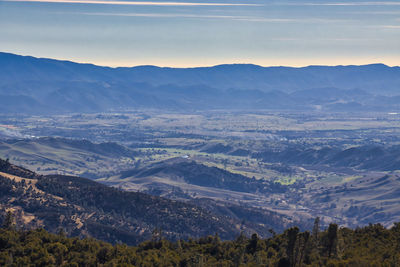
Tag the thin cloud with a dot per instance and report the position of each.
(157, 15)
(133, 3)
(389, 27)
(308, 40)
(297, 20)
(196, 16)
(255, 19)
(373, 12)
(349, 4)
(151, 3)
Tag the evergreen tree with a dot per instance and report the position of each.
(9, 221)
(315, 231)
(292, 237)
(332, 239)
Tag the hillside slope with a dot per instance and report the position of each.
(366, 157)
(186, 171)
(82, 158)
(86, 208)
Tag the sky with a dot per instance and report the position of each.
(192, 33)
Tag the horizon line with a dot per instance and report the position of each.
(197, 66)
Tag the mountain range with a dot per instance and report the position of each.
(38, 85)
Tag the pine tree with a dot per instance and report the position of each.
(292, 237)
(332, 239)
(315, 232)
(9, 221)
(304, 237)
(252, 246)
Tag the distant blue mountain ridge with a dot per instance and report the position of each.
(39, 85)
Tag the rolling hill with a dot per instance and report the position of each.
(180, 171)
(49, 155)
(85, 208)
(366, 157)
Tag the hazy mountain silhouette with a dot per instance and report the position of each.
(35, 85)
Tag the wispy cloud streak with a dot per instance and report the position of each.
(346, 4)
(133, 3)
(384, 27)
(152, 3)
(296, 20)
(395, 13)
(197, 16)
(157, 15)
(397, 27)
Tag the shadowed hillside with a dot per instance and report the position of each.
(86, 208)
(190, 172)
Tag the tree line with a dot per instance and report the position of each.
(372, 245)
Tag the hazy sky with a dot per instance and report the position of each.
(198, 33)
